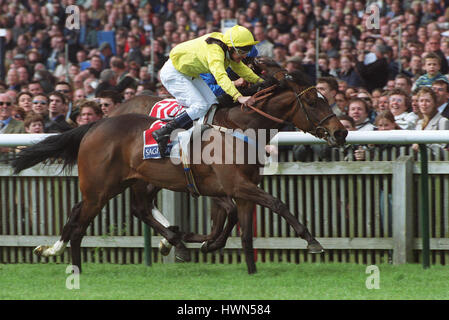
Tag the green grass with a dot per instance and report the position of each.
(222, 282)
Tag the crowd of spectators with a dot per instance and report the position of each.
(375, 57)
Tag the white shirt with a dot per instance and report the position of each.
(406, 120)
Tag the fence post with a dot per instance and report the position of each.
(402, 209)
(171, 208)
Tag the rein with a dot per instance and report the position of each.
(258, 97)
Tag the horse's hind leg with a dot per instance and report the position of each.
(88, 211)
(220, 240)
(221, 207)
(143, 196)
(59, 247)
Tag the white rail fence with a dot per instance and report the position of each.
(327, 196)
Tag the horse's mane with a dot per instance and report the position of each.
(299, 77)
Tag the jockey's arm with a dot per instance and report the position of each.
(217, 69)
(245, 72)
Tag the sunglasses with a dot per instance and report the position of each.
(39, 102)
(5, 103)
(241, 52)
(104, 105)
(63, 91)
(399, 100)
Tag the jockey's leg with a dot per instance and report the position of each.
(194, 94)
(162, 135)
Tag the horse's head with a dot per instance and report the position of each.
(311, 111)
(266, 67)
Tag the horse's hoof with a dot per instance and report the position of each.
(39, 250)
(204, 247)
(182, 254)
(315, 248)
(164, 247)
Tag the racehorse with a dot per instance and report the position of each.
(297, 103)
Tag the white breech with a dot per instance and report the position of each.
(194, 94)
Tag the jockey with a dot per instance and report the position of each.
(212, 83)
(211, 53)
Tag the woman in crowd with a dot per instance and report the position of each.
(399, 104)
(432, 119)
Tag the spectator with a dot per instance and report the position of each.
(383, 102)
(108, 81)
(106, 54)
(434, 46)
(384, 122)
(78, 95)
(341, 102)
(358, 110)
(40, 104)
(432, 119)
(348, 73)
(328, 87)
(7, 123)
(134, 53)
(415, 67)
(66, 89)
(403, 82)
(441, 89)
(89, 112)
(364, 95)
(56, 114)
(265, 47)
(35, 87)
(34, 123)
(24, 100)
(109, 101)
(432, 65)
(12, 80)
(399, 105)
(129, 92)
(347, 122)
(375, 74)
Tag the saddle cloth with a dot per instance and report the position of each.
(165, 110)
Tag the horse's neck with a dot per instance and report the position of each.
(235, 118)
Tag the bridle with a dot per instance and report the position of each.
(318, 126)
(267, 92)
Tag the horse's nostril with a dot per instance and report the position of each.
(340, 135)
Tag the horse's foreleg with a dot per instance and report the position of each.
(251, 192)
(245, 216)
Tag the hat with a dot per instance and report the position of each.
(104, 45)
(19, 56)
(238, 36)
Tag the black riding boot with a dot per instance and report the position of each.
(162, 135)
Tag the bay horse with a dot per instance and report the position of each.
(298, 103)
(222, 207)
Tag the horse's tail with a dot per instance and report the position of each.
(64, 146)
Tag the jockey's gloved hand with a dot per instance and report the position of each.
(246, 100)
